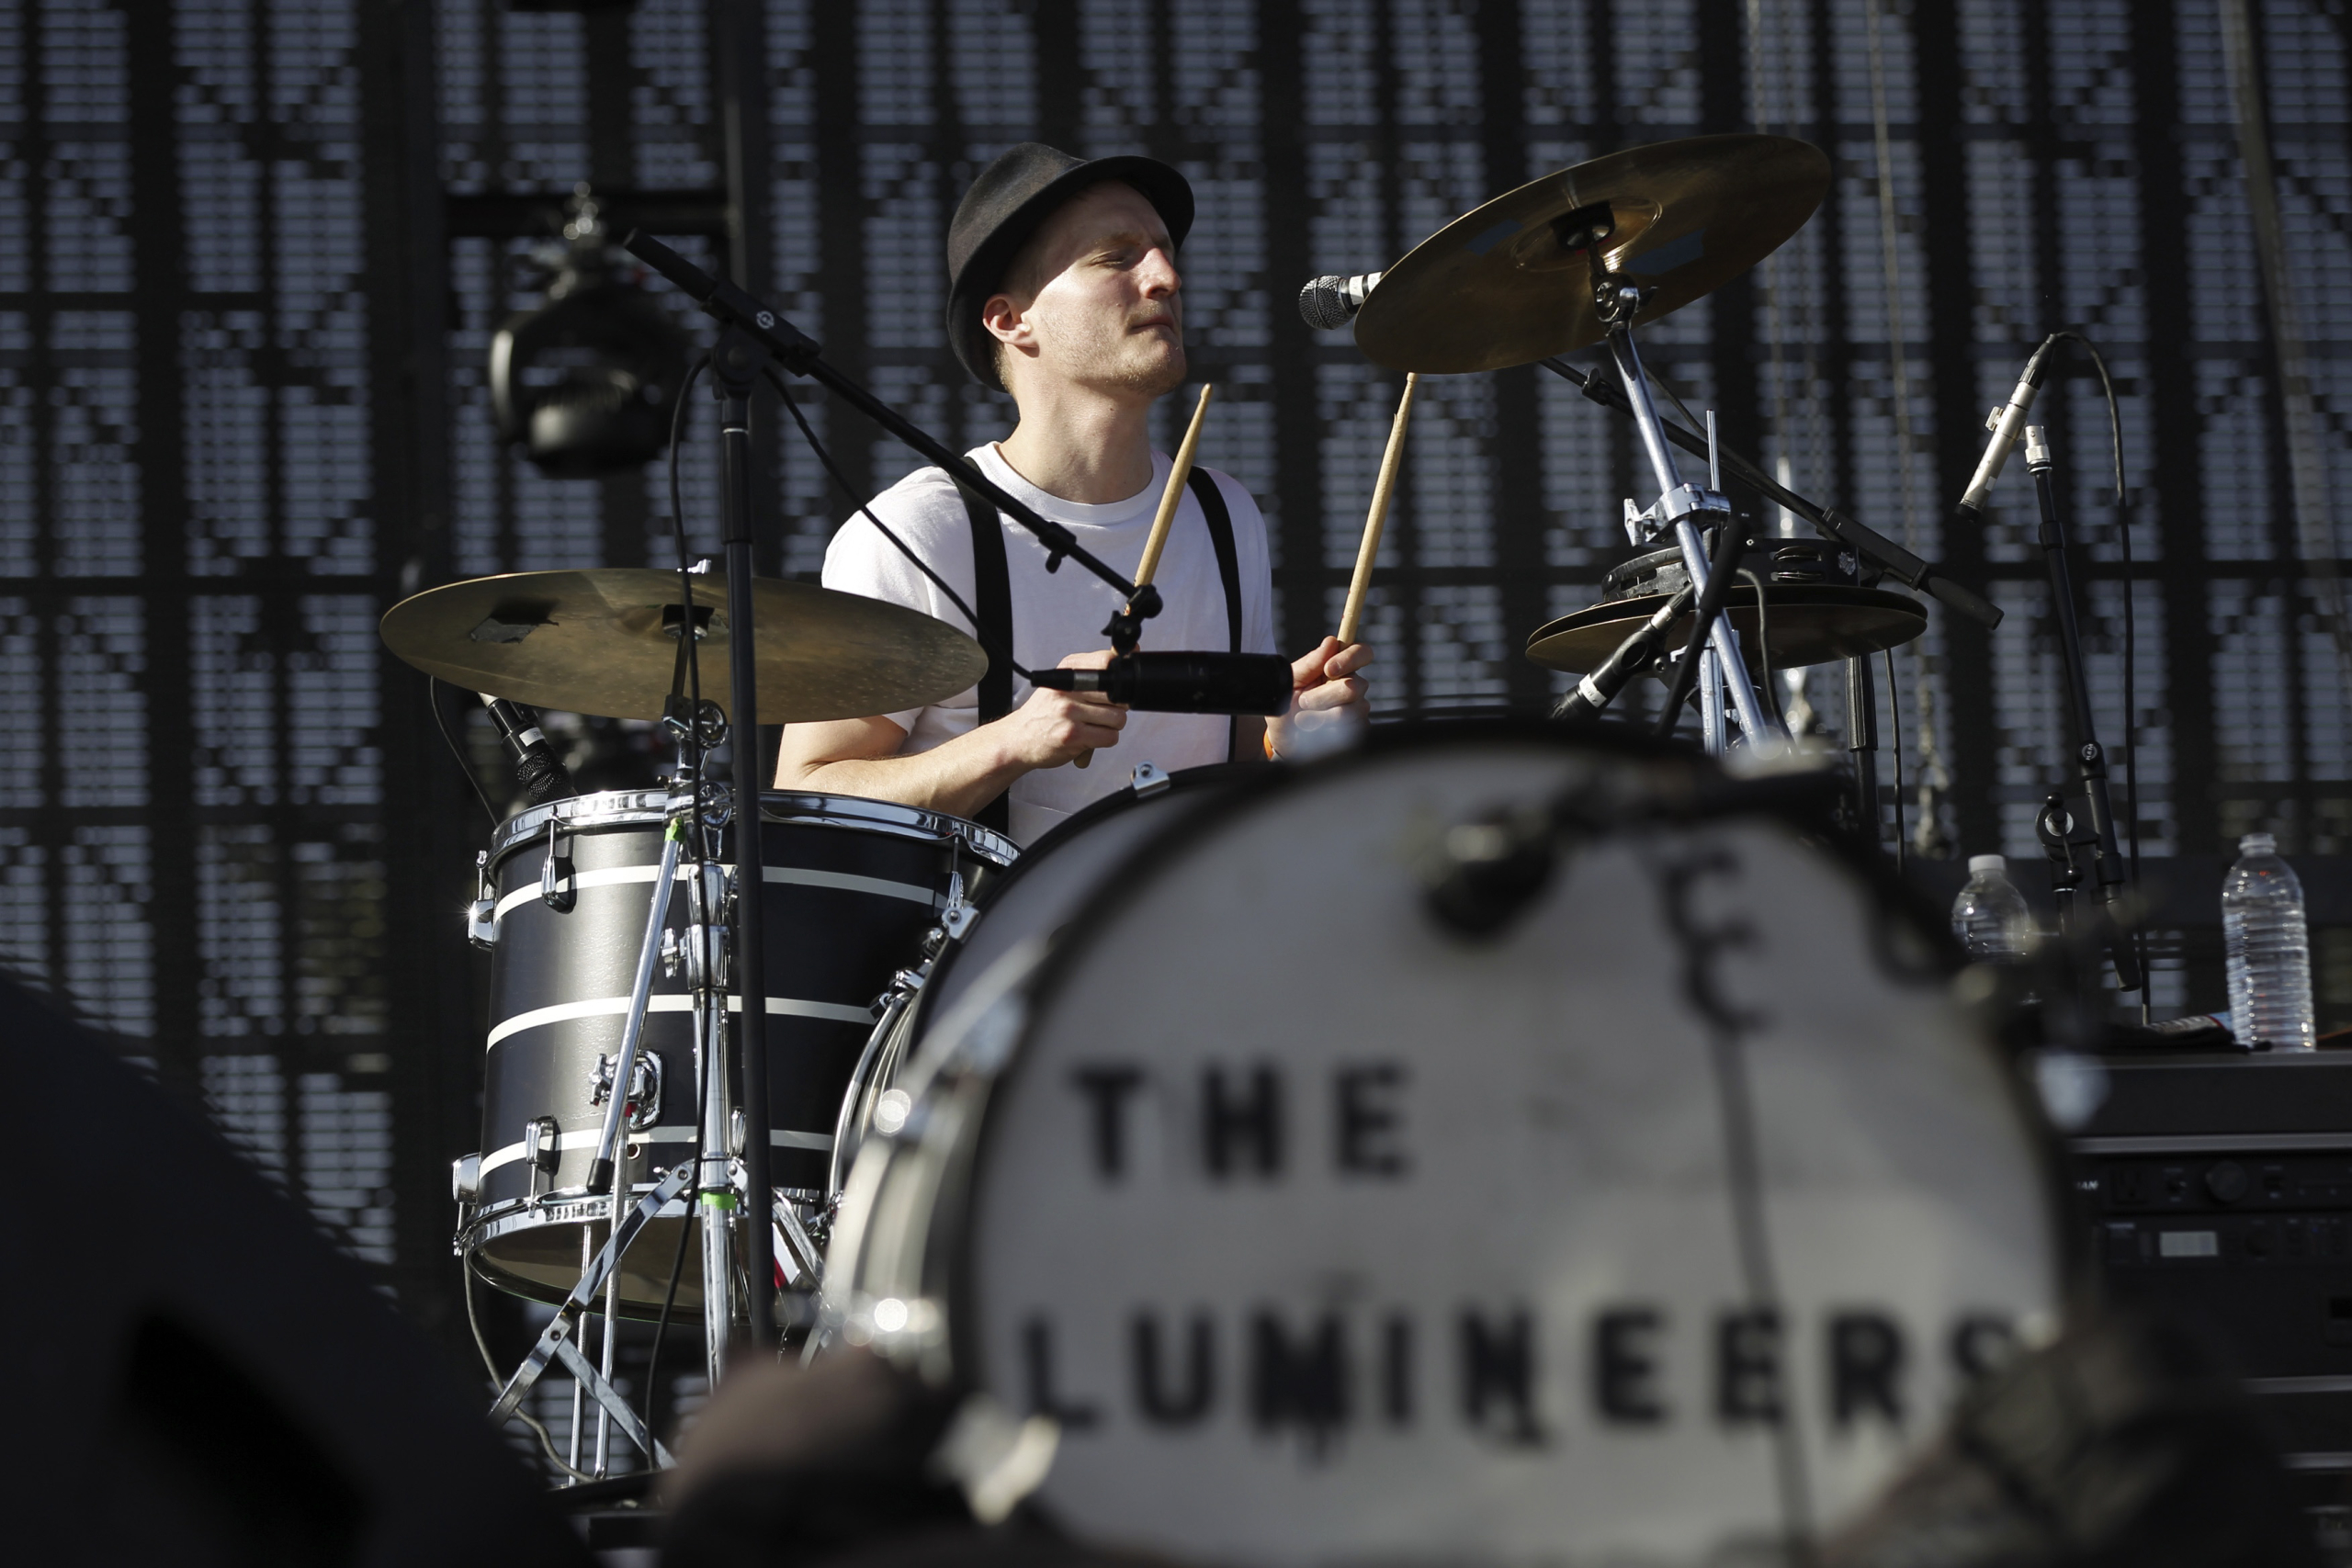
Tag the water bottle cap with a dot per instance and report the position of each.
(2258, 844)
(1978, 864)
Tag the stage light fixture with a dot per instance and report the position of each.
(585, 383)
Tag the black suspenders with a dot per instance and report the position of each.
(1229, 565)
(992, 600)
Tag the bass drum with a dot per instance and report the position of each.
(1660, 1222)
(1049, 881)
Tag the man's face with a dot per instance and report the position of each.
(1091, 300)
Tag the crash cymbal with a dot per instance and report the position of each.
(1497, 287)
(606, 642)
(1810, 623)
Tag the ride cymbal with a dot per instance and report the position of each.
(606, 641)
(1498, 286)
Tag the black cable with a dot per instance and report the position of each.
(1764, 649)
(441, 722)
(2130, 643)
(980, 634)
(547, 1439)
(669, 1297)
(1895, 717)
(688, 630)
(1719, 574)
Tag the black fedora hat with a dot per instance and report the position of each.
(1004, 207)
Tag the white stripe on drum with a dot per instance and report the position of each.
(820, 1142)
(844, 882)
(841, 881)
(588, 1140)
(608, 1007)
(580, 879)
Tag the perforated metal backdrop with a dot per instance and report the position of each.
(242, 409)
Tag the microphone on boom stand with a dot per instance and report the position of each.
(2007, 426)
(544, 775)
(2068, 840)
(1184, 682)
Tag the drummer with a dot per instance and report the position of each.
(1063, 291)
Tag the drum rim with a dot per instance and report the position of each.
(854, 813)
(1199, 784)
(959, 1144)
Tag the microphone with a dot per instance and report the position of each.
(2007, 423)
(1596, 691)
(544, 777)
(1184, 682)
(1331, 302)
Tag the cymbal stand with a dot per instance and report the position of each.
(1682, 508)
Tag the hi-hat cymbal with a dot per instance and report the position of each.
(1497, 287)
(1811, 624)
(606, 641)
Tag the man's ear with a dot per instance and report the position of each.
(1005, 321)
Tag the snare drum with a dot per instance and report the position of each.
(1662, 1220)
(1052, 876)
(851, 886)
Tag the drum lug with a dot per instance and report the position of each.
(1149, 779)
(671, 954)
(481, 918)
(465, 1179)
(644, 1087)
(542, 1149)
(556, 889)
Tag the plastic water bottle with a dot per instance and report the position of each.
(1990, 916)
(2271, 950)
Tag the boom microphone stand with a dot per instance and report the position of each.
(2066, 838)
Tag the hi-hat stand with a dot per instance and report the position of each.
(1683, 510)
(1884, 556)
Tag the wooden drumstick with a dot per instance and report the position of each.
(1170, 498)
(1173, 496)
(1351, 618)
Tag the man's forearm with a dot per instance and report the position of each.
(957, 777)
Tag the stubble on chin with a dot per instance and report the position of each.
(1141, 364)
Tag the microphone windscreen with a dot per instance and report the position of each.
(1323, 303)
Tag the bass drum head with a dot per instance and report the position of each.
(1327, 1234)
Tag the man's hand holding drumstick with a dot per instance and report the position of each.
(1325, 681)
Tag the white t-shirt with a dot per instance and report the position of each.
(1064, 613)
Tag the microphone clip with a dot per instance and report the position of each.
(1125, 629)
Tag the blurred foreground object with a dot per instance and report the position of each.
(2120, 1443)
(209, 1381)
